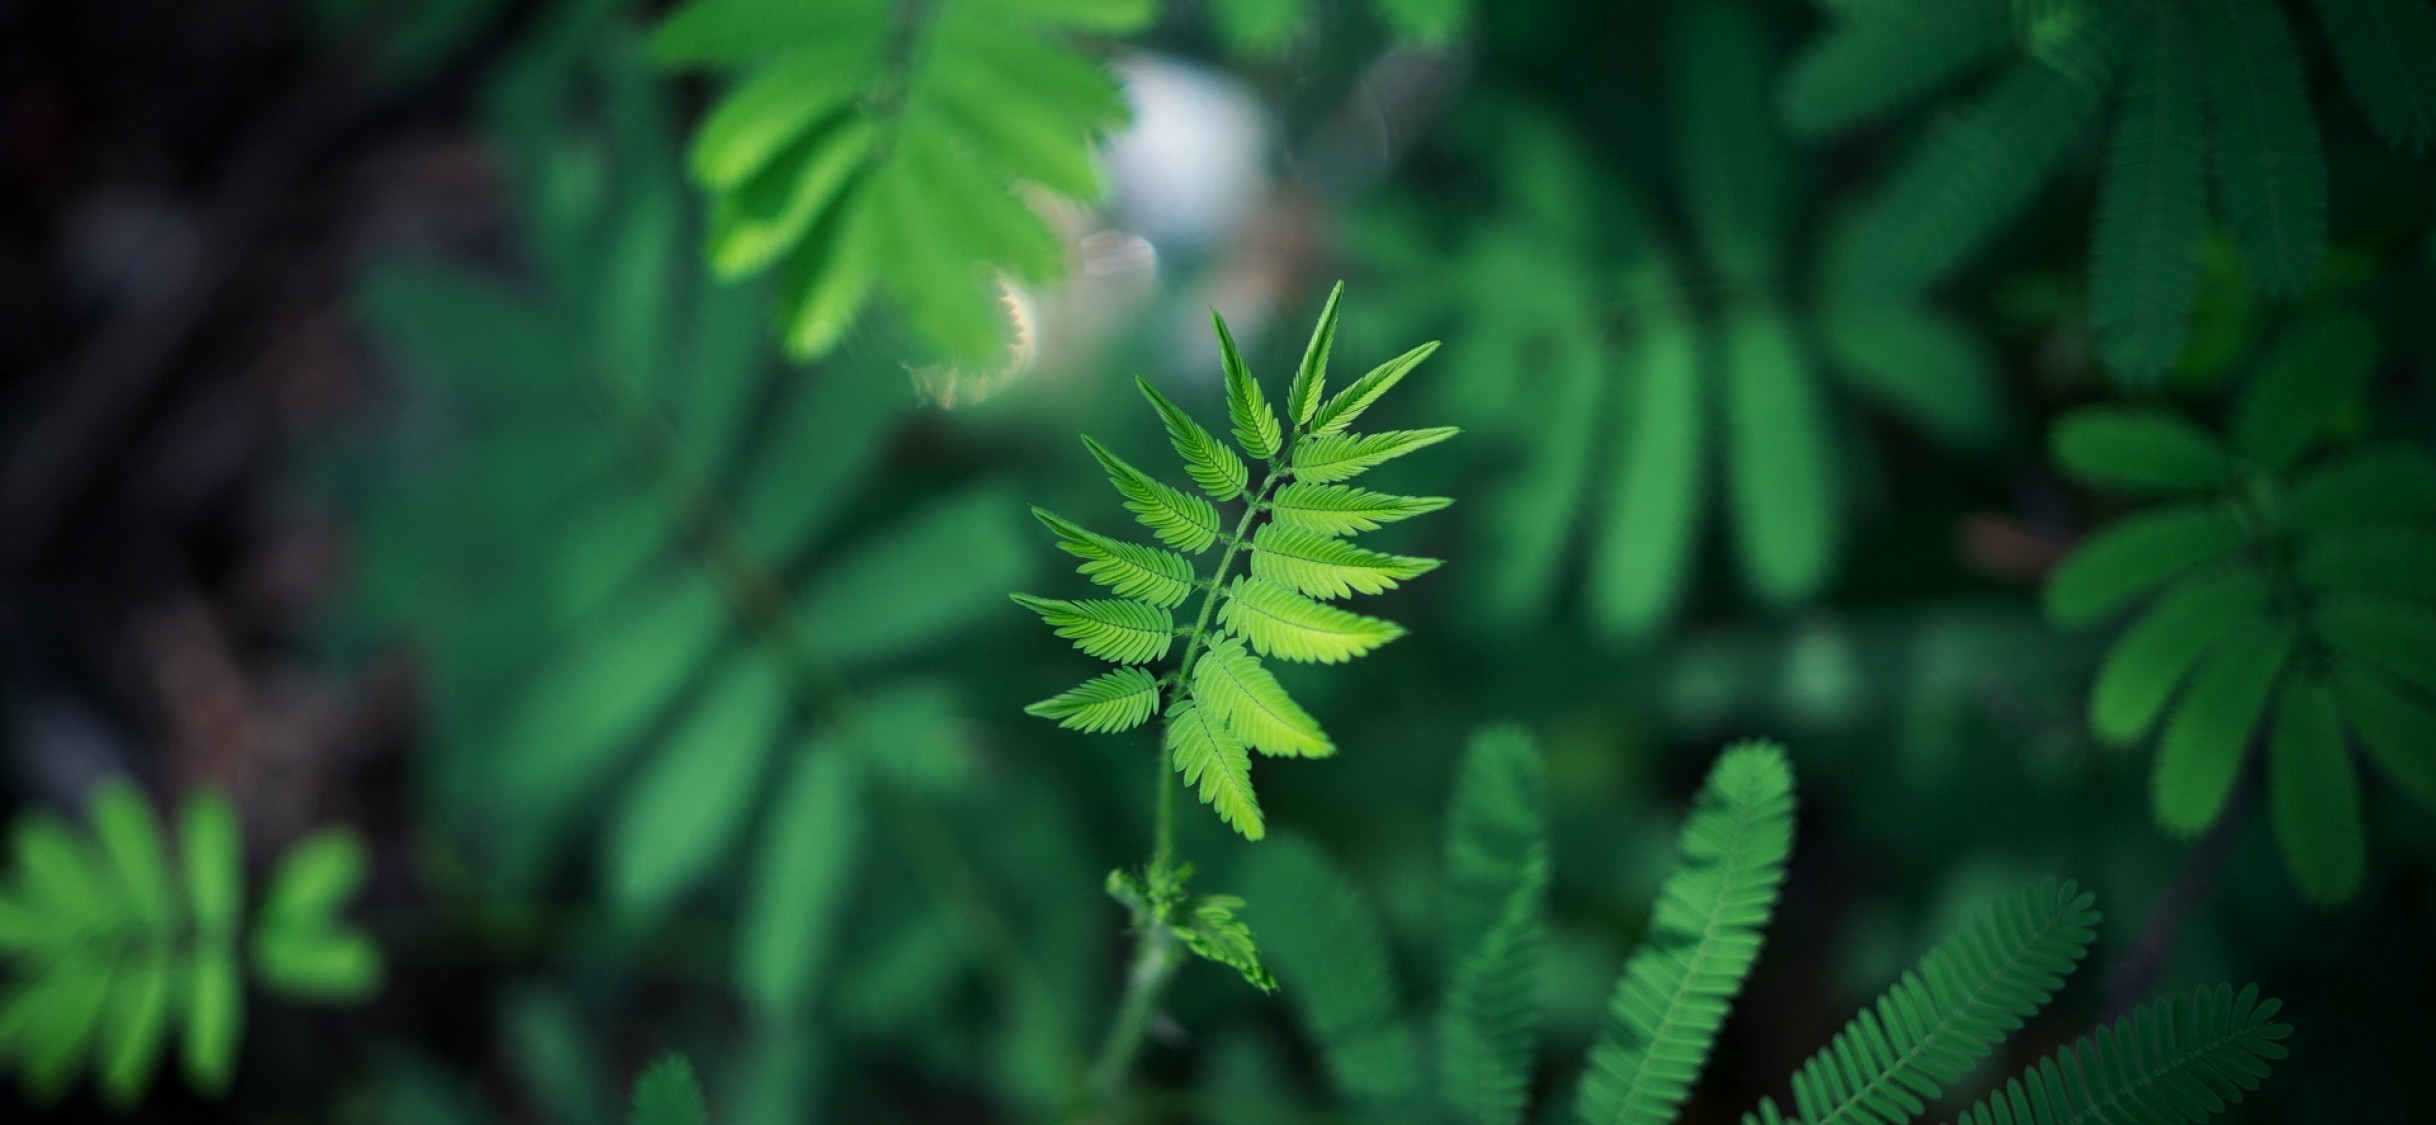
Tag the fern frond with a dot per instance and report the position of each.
(1706, 933)
(1180, 520)
(2152, 210)
(2135, 554)
(1311, 378)
(1211, 929)
(1950, 1011)
(1230, 682)
(1658, 494)
(1281, 623)
(667, 1093)
(1880, 56)
(1111, 701)
(1342, 457)
(2315, 795)
(1120, 632)
(2201, 753)
(1343, 509)
(1495, 901)
(1324, 942)
(1162, 578)
(1256, 428)
(2172, 1062)
(1201, 748)
(2387, 52)
(687, 805)
(1327, 567)
(1780, 474)
(1213, 466)
(2157, 653)
(1344, 407)
(2270, 170)
(798, 878)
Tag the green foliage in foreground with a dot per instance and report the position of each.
(667, 1093)
(113, 943)
(2170, 1063)
(2294, 608)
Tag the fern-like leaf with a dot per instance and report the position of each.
(667, 1093)
(2138, 449)
(1256, 428)
(2201, 752)
(1949, 1012)
(2134, 555)
(1211, 929)
(2172, 1062)
(1705, 935)
(2314, 794)
(2270, 171)
(1281, 623)
(1230, 682)
(2387, 52)
(1495, 902)
(1342, 457)
(1121, 632)
(1180, 519)
(1311, 378)
(2152, 210)
(2157, 653)
(1324, 942)
(1326, 567)
(1342, 509)
(1201, 748)
(1346, 406)
(1879, 56)
(1208, 461)
(1130, 570)
(1111, 701)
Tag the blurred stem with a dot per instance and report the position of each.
(1155, 960)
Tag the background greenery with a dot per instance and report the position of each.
(2021, 409)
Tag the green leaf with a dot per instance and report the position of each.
(2152, 211)
(2395, 635)
(1736, 182)
(130, 840)
(2134, 555)
(315, 879)
(2387, 52)
(2169, 1062)
(798, 880)
(1343, 509)
(2398, 732)
(2305, 384)
(1310, 379)
(1256, 428)
(2141, 450)
(1344, 407)
(1111, 701)
(1162, 578)
(2270, 172)
(312, 962)
(2209, 736)
(2392, 484)
(1646, 538)
(666, 1093)
(1281, 623)
(135, 1027)
(1208, 461)
(212, 853)
(1533, 514)
(917, 581)
(1121, 632)
(828, 436)
(1495, 905)
(1342, 457)
(1323, 941)
(1230, 683)
(1703, 938)
(1878, 56)
(687, 808)
(1778, 469)
(2157, 653)
(1180, 520)
(1211, 929)
(215, 1019)
(2391, 562)
(1326, 567)
(1945, 1015)
(1212, 761)
(1920, 363)
(2314, 795)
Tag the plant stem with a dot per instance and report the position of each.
(1155, 962)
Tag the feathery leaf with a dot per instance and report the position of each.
(1281, 623)
(1230, 682)
(2307, 380)
(2172, 1062)
(1208, 461)
(1323, 941)
(2137, 449)
(1212, 761)
(1162, 578)
(1346, 405)
(1495, 902)
(1311, 379)
(1111, 701)
(1327, 567)
(1256, 428)
(1343, 509)
(2204, 744)
(1342, 457)
(2270, 171)
(1117, 631)
(2387, 52)
(1642, 557)
(1780, 473)
(1210, 928)
(2315, 795)
(2157, 653)
(2152, 210)
(1879, 56)
(2135, 554)
(668, 1094)
(1180, 520)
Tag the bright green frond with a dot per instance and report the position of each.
(1230, 682)
(1121, 632)
(2172, 1062)
(1342, 457)
(2204, 744)
(1281, 623)
(1210, 928)
(1311, 378)
(2137, 449)
(1705, 935)
(1180, 520)
(1324, 942)
(1211, 760)
(1326, 567)
(667, 1093)
(1945, 1015)
(2157, 653)
(2152, 210)
(1256, 428)
(1111, 701)
(1342, 509)
(2270, 171)
(2387, 52)
(1162, 578)
(1879, 56)
(2134, 555)
(1207, 460)
(1343, 408)
(2315, 794)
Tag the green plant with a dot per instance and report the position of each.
(1268, 27)
(667, 1093)
(879, 147)
(2168, 1063)
(1219, 699)
(111, 943)
(2293, 600)
(1974, 170)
